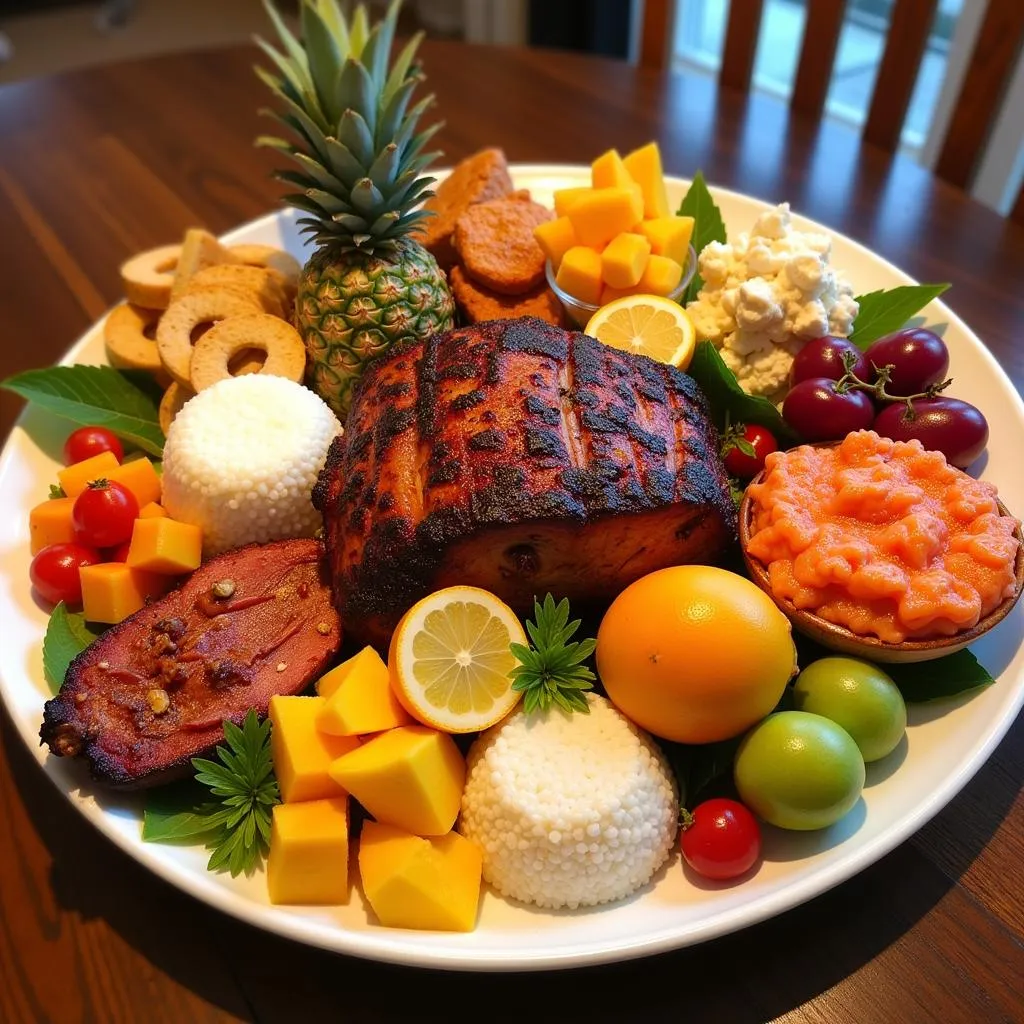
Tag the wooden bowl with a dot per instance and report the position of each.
(839, 638)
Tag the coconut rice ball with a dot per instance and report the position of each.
(569, 810)
(241, 460)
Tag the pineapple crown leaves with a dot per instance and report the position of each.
(346, 107)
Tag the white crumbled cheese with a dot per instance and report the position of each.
(569, 810)
(765, 295)
(241, 460)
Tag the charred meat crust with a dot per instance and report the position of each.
(153, 691)
(502, 424)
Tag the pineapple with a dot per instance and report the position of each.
(359, 184)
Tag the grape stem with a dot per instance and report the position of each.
(851, 382)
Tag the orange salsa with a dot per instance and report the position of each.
(882, 537)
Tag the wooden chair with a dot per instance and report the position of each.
(987, 77)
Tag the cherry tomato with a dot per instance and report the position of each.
(118, 554)
(721, 839)
(54, 571)
(104, 514)
(85, 442)
(745, 466)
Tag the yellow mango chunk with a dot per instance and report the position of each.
(555, 237)
(579, 273)
(75, 478)
(302, 753)
(669, 236)
(605, 213)
(359, 698)
(661, 276)
(411, 777)
(623, 260)
(165, 545)
(308, 859)
(420, 883)
(608, 171)
(609, 294)
(112, 591)
(141, 478)
(50, 523)
(644, 166)
(154, 510)
(564, 198)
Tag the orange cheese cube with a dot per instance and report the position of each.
(165, 545)
(75, 478)
(141, 478)
(608, 171)
(359, 698)
(661, 276)
(420, 883)
(669, 236)
(564, 198)
(579, 273)
(623, 260)
(113, 590)
(302, 753)
(555, 237)
(605, 213)
(50, 523)
(154, 510)
(644, 167)
(308, 859)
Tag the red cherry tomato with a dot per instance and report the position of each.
(104, 514)
(118, 554)
(54, 571)
(721, 840)
(745, 466)
(85, 442)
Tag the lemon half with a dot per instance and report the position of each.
(648, 325)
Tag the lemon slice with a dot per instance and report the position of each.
(450, 662)
(649, 325)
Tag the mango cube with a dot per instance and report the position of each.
(359, 698)
(661, 276)
(75, 478)
(608, 171)
(555, 237)
(623, 260)
(609, 294)
(411, 777)
(644, 167)
(669, 236)
(606, 212)
(579, 273)
(154, 510)
(50, 523)
(564, 198)
(141, 478)
(302, 753)
(165, 545)
(112, 591)
(308, 859)
(420, 883)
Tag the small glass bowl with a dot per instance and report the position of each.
(581, 312)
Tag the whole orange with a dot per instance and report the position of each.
(694, 653)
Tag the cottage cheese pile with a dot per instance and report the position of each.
(765, 295)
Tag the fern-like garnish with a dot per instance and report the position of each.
(551, 671)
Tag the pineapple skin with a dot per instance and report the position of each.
(351, 307)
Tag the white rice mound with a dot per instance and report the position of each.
(241, 460)
(569, 810)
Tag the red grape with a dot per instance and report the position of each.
(823, 357)
(918, 358)
(818, 413)
(941, 424)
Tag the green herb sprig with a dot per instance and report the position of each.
(551, 671)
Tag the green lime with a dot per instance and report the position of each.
(858, 696)
(800, 771)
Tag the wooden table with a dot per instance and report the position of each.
(97, 165)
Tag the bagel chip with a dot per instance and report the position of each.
(148, 276)
(214, 351)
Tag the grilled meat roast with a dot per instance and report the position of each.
(518, 457)
(153, 691)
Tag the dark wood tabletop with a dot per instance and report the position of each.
(99, 164)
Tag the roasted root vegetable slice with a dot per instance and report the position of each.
(153, 691)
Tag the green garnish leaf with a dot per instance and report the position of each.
(67, 635)
(56, 491)
(924, 681)
(889, 309)
(180, 812)
(94, 396)
(551, 671)
(708, 226)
